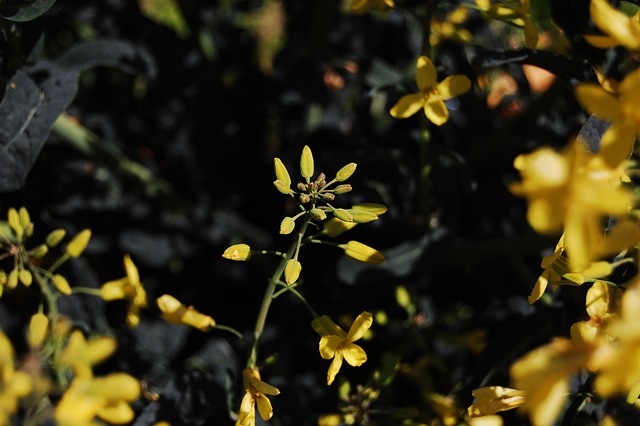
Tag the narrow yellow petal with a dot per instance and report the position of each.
(360, 326)
(132, 271)
(407, 106)
(264, 407)
(334, 367)
(615, 23)
(436, 111)
(452, 86)
(329, 345)
(354, 354)
(598, 101)
(425, 74)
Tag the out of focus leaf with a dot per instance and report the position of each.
(167, 13)
(28, 12)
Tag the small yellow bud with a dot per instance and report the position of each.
(282, 187)
(281, 172)
(342, 189)
(28, 231)
(292, 271)
(12, 281)
(237, 252)
(346, 172)
(318, 214)
(374, 208)
(77, 245)
(55, 236)
(334, 227)
(305, 198)
(40, 251)
(363, 253)
(287, 225)
(25, 219)
(362, 216)
(37, 329)
(25, 277)
(61, 284)
(306, 163)
(343, 215)
(14, 223)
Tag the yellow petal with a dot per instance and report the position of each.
(359, 327)
(616, 144)
(615, 23)
(324, 326)
(425, 74)
(452, 86)
(237, 252)
(116, 386)
(334, 367)
(198, 320)
(247, 410)
(436, 111)
(407, 105)
(545, 214)
(598, 101)
(77, 245)
(117, 412)
(601, 42)
(114, 290)
(597, 301)
(530, 33)
(539, 288)
(264, 407)
(132, 271)
(354, 354)
(363, 253)
(328, 346)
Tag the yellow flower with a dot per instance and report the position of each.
(432, 94)
(81, 354)
(362, 6)
(105, 397)
(493, 399)
(600, 302)
(622, 111)
(574, 190)
(337, 344)
(130, 288)
(449, 28)
(256, 392)
(543, 374)
(13, 384)
(514, 12)
(620, 28)
(176, 313)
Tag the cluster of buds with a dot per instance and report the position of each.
(315, 196)
(13, 236)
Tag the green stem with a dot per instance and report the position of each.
(268, 294)
(59, 262)
(87, 290)
(287, 288)
(230, 330)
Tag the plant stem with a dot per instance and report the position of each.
(268, 294)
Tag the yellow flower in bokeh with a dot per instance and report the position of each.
(363, 6)
(514, 12)
(81, 355)
(543, 374)
(107, 398)
(449, 27)
(129, 288)
(337, 344)
(256, 392)
(13, 384)
(432, 94)
(493, 399)
(174, 312)
(601, 302)
(573, 190)
(619, 28)
(622, 111)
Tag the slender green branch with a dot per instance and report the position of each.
(230, 330)
(87, 290)
(290, 289)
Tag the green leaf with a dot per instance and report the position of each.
(167, 13)
(26, 13)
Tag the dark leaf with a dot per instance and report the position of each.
(117, 54)
(34, 98)
(28, 12)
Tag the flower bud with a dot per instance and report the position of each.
(343, 215)
(327, 196)
(37, 329)
(346, 172)
(282, 187)
(61, 284)
(318, 214)
(306, 163)
(287, 225)
(26, 277)
(342, 189)
(292, 271)
(362, 216)
(77, 245)
(55, 236)
(281, 172)
(363, 253)
(305, 198)
(12, 280)
(14, 222)
(237, 252)
(374, 208)
(40, 251)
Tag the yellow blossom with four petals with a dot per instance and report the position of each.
(256, 392)
(129, 288)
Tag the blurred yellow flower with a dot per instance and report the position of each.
(513, 12)
(174, 312)
(337, 344)
(362, 6)
(105, 397)
(449, 27)
(619, 28)
(432, 94)
(256, 392)
(130, 288)
(493, 399)
(13, 384)
(622, 111)
(81, 355)
(543, 374)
